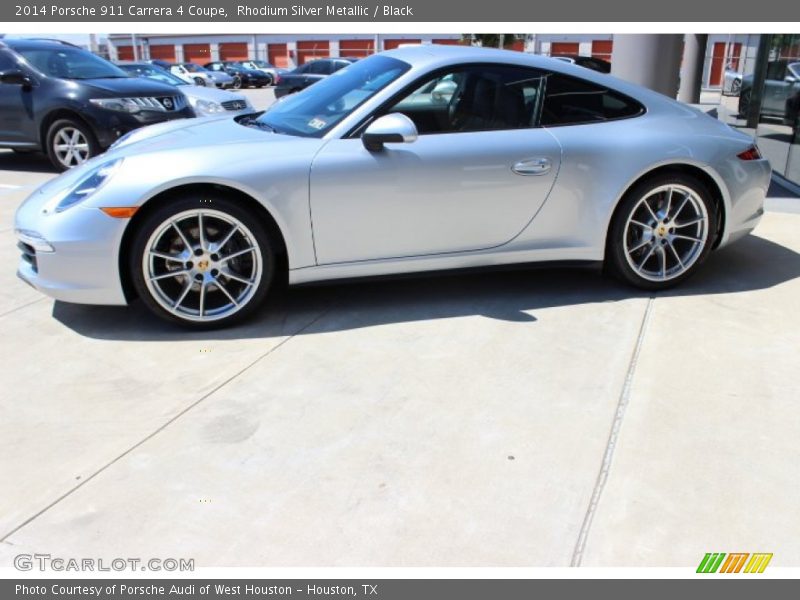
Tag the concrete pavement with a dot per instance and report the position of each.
(526, 418)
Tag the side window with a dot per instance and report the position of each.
(318, 67)
(476, 98)
(339, 64)
(573, 101)
(776, 70)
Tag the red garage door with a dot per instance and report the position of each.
(307, 51)
(356, 48)
(562, 48)
(277, 55)
(602, 49)
(124, 52)
(518, 45)
(233, 51)
(197, 53)
(391, 44)
(163, 52)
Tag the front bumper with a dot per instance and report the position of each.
(61, 261)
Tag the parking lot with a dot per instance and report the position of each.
(542, 417)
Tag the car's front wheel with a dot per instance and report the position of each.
(237, 83)
(70, 143)
(199, 81)
(202, 260)
(661, 232)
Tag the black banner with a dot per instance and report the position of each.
(401, 11)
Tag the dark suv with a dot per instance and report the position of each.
(308, 74)
(71, 104)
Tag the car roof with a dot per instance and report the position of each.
(15, 43)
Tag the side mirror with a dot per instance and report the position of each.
(443, 91)
(790, 79)
(15, 78)
(395, 128)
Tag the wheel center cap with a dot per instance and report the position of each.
(202, 265)
(661, 230)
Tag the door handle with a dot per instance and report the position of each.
(532, 166)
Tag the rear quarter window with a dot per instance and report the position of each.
(574, 101)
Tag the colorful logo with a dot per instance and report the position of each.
(719, 562)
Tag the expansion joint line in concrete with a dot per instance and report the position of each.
(611, 445)
(162, 427)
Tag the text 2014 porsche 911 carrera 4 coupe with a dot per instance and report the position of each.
(416, 159)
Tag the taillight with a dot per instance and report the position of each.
(277, 79)
(752, 153)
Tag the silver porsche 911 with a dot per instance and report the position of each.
(417, 159)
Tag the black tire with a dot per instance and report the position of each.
(744, 103)
(736, 87)
(66, 127)
(200, 81)
(237, 83)
(617, 261)
(270, 80)
(158, 220)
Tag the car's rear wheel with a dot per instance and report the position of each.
(736, 87)
(237, 83)
(70, 143)
(662, 231)
(202, 261)
(199, 81)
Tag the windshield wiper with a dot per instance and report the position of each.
(251, 122)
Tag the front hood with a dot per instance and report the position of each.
(130, 86)
(188, 134)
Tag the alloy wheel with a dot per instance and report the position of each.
(666, 232)
(202, 265)
(70, 147)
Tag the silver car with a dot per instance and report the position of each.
(205, 101)
(530, 159)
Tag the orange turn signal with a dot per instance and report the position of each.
(120, 212)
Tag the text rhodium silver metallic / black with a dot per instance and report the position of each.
(417, 159)
(301, 10)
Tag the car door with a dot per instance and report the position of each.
(475, 177)
(17, 123)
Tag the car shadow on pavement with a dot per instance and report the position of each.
(508, 295)
(33, 162)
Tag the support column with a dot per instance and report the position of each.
(694, 55)
(651, 60)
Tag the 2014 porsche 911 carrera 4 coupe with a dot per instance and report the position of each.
(417, 159)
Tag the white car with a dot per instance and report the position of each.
(206, 101)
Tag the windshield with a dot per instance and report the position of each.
(70, 63)
(153, 73)
(316, 110)
(193, 68)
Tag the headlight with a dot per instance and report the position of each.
(208, 107)
(119, 104)
(91, 183)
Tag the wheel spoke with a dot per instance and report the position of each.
(200, 233)
(202, 298)
(170, 274)
(181, 234)
(166, 256)
(663, 262)
(668, 203)
(231, 275)
(640, 224)
(235, 254)
(233, 230)
(680, 208)
(686, 237)
(182, 296)
(676, 255)
(639, 246)
(647, 257)
(225, 291)
(650, 210)
(694, 221)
